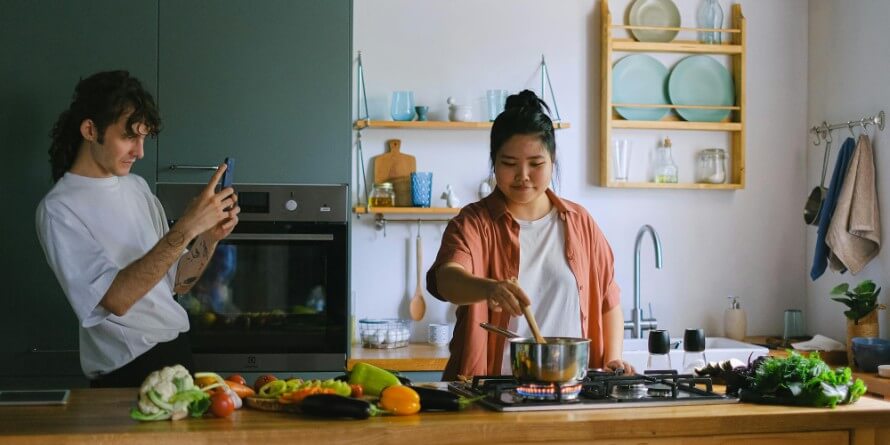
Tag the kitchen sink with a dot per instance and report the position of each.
(636, 351)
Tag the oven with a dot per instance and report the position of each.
(274, 296)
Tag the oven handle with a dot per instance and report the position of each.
(280, 237)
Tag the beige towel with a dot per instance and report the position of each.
(854, 234)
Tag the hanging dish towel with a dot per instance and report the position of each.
(854, 235)
(820, 259)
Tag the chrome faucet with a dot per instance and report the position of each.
(638, 323)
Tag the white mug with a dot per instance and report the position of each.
(439, 334)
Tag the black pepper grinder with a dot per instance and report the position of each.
(659, 351)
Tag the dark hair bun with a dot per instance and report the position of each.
(526, 99)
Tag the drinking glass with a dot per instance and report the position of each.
(402, 108)
(496, 101)
(421, 188)
(622, 159)
(793, 324)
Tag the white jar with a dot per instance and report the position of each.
(460, 113)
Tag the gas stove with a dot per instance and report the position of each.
(599, 390)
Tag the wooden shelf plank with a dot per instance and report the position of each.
(435, 125)
(406, 210)
(695, 107)
(677, 125)
(681, 186)
(679, 46)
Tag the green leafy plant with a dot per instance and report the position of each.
(861, 300)
(806, 380)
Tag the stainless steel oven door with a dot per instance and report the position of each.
(274, 296)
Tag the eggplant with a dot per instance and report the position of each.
(335, 406)
(438, 400)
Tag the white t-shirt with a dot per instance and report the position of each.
(91, 228)
(546, 278)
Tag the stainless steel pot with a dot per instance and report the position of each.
(561, 360)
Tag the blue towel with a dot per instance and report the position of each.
(820, 259)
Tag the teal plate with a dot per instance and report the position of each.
(701, 80)
(654, 13)
(640, 79)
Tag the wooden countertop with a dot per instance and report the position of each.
(98, 416)
(414, 357)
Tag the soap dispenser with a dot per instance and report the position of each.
(735, 321)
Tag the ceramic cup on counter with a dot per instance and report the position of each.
(439, 334)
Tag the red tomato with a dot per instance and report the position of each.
(237, 379)
(221, 405)
(262, 380)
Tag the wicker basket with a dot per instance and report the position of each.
(867, 326)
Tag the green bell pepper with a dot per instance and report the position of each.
(372, 378)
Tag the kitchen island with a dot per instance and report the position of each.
(101, 416)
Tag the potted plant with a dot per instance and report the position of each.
(862, 316)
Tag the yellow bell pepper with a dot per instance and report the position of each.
(400, 400)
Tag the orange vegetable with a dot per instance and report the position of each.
(400, 400)
(357, 391)
(298, 396)
(240, 389)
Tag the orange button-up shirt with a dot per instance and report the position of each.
(484, 239)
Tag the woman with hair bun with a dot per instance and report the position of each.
(523, 245)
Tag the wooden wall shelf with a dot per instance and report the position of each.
(610, 120)
(435, 125)
(681, 185)
(361, 210)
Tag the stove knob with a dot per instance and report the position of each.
(290, 205)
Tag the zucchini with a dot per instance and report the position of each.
(438, 400)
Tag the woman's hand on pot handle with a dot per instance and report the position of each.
(615, 365)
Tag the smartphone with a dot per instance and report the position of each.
(34, 397)
(229, 174)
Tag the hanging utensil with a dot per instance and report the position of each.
(417, 307)
(814, 203)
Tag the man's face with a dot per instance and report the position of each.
(119, 149)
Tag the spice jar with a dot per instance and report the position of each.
(382, 195)
(712, 166)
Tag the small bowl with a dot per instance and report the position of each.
(869, 352)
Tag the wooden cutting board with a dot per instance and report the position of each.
(269, 405)
(396, 167)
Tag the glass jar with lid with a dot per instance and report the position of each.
(665, 169)
(712, 166)
(382, 195)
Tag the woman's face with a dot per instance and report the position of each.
(523, 169)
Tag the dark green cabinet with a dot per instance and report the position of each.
(267, 82)
(46, 47)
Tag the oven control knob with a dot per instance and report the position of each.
(290, 205)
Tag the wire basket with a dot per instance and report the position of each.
(384, 333)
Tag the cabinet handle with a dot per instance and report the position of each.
(174, 167)
(36, 350)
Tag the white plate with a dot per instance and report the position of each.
(654, 13)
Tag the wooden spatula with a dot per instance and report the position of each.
(527, 310)
(417, 307)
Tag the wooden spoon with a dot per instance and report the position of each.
(527, 310)
(417, 306)
(530, 317)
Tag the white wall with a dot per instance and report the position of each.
(747, 242)
(848, 64)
